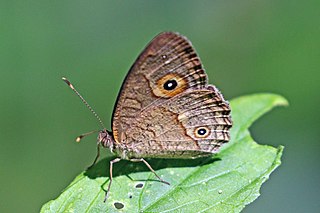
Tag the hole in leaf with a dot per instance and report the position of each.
(139, 185)
(118, 205)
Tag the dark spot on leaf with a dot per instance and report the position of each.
(139, 185)
(118, 205)
(130, 196)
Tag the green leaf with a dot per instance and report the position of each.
(223, 183)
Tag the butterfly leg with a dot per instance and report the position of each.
(111, 177)
(97, 157)
(151, 169)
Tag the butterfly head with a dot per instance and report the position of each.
(105, 138)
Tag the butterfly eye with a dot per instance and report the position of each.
(202, 132)
(170, 84)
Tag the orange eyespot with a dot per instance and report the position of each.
(170, 85)
(202, 132)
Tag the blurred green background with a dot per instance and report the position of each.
(247, 47)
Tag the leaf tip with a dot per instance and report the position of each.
(280, 100)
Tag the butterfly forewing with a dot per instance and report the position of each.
(166, 108)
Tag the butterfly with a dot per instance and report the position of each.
(165, 108)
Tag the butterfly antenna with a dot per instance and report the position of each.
(85, 102)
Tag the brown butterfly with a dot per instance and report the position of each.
(166, 108)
